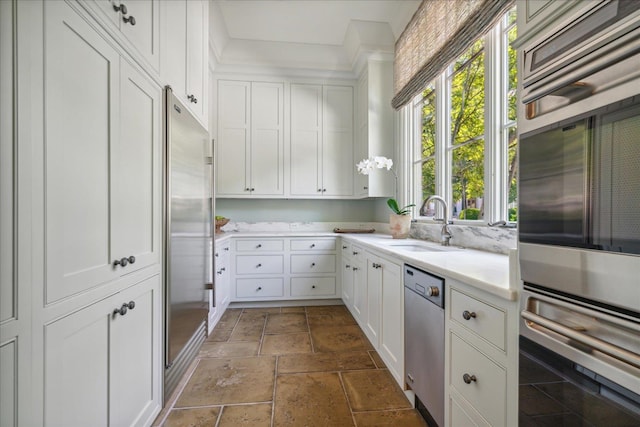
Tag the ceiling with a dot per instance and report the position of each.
(309, 34)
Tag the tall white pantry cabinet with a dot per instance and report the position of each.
(81, 213)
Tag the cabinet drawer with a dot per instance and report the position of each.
(486, 390)
(313, 286)
(259, 264)
(259, 288)
(480, 317)
(259, 245)
(313, 263)
(313, 245)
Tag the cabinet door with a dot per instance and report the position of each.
(80, 110)
(13, 357)
(267, 140)
(361, 151)
(145, 33)
(173, 67)
(392, 327)
(374, 292)
(135, 355)
(140, 25)
(197, 53)
(359, 291)
(347, 283)
(136, 171)
(306, 140)
(337, 143)
(232, 155)
(76, 368)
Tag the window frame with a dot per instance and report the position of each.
(496, 137)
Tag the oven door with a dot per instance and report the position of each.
(579, 220)
(577, 366)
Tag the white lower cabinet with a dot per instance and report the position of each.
(481, 379)
(102, 363)
(219, 296)
(284, 268)
(359, 269)
(391, 347)
(374, 293)
(347, 275)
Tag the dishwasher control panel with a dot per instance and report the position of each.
(424, 284)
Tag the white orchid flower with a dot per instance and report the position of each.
(365, 166)
(383, 162)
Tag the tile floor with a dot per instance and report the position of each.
(289, 366)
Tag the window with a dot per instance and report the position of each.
(466, 149)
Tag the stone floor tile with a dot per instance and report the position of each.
(338, 338)
(248, 330)
(404, 418)
(325, 309)
(298, 309)
(219, 335)
(314, 399)
(223, 381)
(324, 362)
(258, 415)
(264, 310)
(377, 359)
(329, 318)
(286, 323)
(193, 417)
(229, 349)
(231, 315)
(373, 390)
(286, 344)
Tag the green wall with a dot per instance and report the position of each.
(295, 210)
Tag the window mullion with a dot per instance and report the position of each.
(443, 139)
(494, 157)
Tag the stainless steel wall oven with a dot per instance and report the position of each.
(579, 192)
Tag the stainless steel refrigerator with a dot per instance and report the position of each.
(188, 200)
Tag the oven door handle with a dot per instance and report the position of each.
(602, 346)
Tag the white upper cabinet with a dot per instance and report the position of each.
(184, 59)
(374, 128)
(137, 20)
(250, 146)
(321, 141)
(101, 159)
(197, 57)
(306, 139)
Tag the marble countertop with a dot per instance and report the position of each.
(490, 272)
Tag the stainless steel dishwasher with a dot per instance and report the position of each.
(424, 342)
